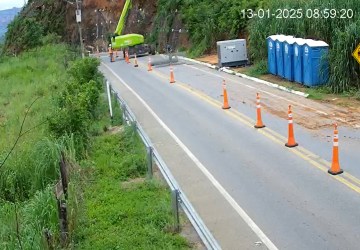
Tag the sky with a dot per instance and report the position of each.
(8, 4)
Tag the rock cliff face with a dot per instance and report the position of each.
(100, 18)
(99, 21)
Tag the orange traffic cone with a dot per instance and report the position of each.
(335, 166)
(149, 65)
(291, 138)
(136, 62)
(172, 78)
(127, 60)
(226, 102)
(259, 123)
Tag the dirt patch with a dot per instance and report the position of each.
(189, 233)
(212, 59)
(115, 130)
(131, 183)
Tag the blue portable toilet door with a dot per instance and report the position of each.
(279, 59)
(288, 61)
(324, 66)
(271, 57)
(320, 73)
(298, 67)
(316, 63)
(307, 66)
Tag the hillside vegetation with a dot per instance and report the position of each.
(205, 21)
(37, 23)
(52, 104)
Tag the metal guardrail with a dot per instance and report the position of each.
(178, 197)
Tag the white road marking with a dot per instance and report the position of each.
(203, 169)
(264, 91)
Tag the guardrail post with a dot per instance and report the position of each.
(64, 174)
(149, 151)
(62, 210)
(133, 125)
(123, 109)
(175, 207)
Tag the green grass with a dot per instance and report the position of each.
(120, 213)
(35, 75)
(104, 123)
(26, 178)
(315, 95)
(260, 68)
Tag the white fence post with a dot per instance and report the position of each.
(109, 98)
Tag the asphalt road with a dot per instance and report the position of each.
(286, 192)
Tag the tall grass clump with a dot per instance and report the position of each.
(30, 78)
(342, 34)
(23, 223)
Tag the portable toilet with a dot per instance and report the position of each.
(272, 66)
(315, 63)
(279, 55)
(279, 42)
(289, 58)
(298, 60)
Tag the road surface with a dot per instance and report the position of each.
(247, 187)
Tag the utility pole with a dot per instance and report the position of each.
(78, 20)
(97, 30)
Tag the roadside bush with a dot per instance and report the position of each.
(85, 70)
(76, 106)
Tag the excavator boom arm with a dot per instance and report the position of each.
(121, 24)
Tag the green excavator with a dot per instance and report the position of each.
(134, 43)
